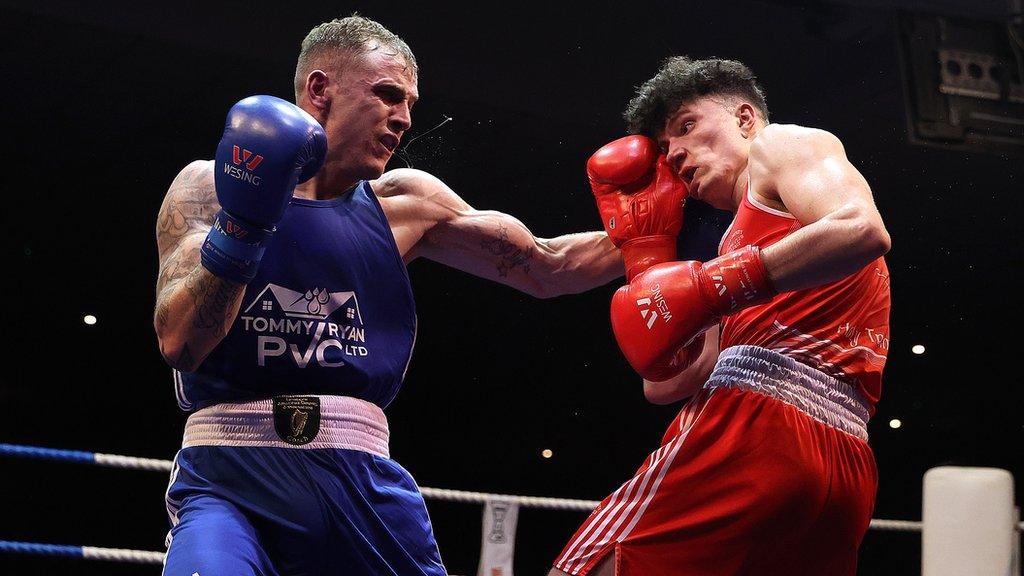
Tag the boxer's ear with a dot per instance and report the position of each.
(746, 119)
(316, 90)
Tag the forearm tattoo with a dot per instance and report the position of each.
(185, 217)
(213, 298)
(212, 302)
(509, 255)
(173, 269)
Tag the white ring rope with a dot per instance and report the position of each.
(524, 501)
(444, 494)
(122, 555)
(903, 525)
(133, 463)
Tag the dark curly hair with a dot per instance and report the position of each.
(680, 80)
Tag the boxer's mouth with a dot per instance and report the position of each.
(687, 175)
(389, 141)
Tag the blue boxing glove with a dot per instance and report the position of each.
(269, 146)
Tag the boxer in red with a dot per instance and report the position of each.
(779, 343)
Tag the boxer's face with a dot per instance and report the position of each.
(372, 96)
(705, 144)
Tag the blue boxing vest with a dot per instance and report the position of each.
(330, 311)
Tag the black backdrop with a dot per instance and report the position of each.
(102, 104)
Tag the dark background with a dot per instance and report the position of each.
(103, 103)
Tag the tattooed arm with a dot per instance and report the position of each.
(432, 221)
(194, 308)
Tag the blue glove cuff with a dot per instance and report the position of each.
(233, 248)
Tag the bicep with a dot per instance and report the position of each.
(842, 230)
(185, 217)
(827, 186)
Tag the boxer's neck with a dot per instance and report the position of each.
(327, 184)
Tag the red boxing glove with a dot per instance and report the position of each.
(640, 200)
(659, 319)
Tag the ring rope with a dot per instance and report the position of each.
(84, 552)
(444, 494)
(524, 501)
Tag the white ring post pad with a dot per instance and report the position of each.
(969, 522)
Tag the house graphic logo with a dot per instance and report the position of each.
(313, 327)
(313, 304)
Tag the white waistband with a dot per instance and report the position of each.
(820, 396)
(344, 423)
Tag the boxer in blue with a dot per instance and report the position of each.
(284, 306)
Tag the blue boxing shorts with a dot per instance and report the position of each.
(294, 485)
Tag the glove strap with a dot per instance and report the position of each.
(639, 254)
(737, 280)
(233, 248)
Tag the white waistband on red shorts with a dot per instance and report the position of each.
(345, 423)
(820, 396)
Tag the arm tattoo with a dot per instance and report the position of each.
(174, 266)
(178, 218)
(509, 255)
(212, 297)
(173, 269)
(161, 312)
(183, 286)
(212, 300)
(190, 207)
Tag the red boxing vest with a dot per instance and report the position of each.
(840, 328)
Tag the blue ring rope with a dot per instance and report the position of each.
(41, 549)
(48, 453)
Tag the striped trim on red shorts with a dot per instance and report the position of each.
(615, 518)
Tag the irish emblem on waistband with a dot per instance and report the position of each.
(297, 418)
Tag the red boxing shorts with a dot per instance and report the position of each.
(766, 471)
